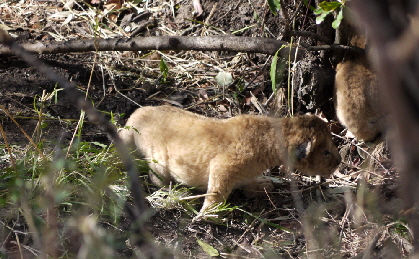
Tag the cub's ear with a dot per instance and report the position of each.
(303, 150)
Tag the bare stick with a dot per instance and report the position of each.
(309, 34)
(212, 43)
(177, 43)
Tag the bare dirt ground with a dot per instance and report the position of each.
(354, 210)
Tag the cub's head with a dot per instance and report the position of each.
(310, 146)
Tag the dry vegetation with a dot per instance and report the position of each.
(63, 189)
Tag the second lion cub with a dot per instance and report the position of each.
(219, 155)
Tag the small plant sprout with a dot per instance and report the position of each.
(215, 213)
(174, 198)
(164, 69)
(224, 79)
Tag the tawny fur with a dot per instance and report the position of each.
(356, 96)
(219, 155)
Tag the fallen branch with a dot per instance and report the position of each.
(177, 43)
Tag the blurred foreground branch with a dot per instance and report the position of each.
(137, 212)
(393, 32)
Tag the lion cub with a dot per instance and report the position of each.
(357, 103)
(357, 100)
(219, 155)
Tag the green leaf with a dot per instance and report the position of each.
(211, 251)
(164, 69)
(330, 6)
(99, 144)
(274, 5)
(338, 19)
(320, 18)
(272, 72)
(318, 11)
(163, 66)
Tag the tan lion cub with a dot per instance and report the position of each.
(357, 99)
(219, 155)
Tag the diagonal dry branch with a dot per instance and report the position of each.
(138, 211)
(177, 43)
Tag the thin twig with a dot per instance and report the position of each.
(21, 129)
(335, 47)
(198, 196)
(285, 14)
(309, 34)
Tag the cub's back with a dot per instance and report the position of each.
(157, 126)
(357, 100)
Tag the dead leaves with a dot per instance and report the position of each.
(112, 7)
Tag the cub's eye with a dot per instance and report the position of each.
(326, 153)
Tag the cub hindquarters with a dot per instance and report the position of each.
(357, 99)
(218, 156)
